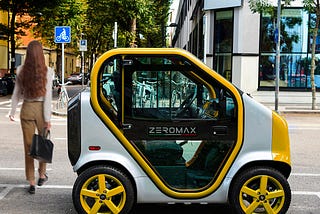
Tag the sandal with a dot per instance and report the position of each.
(41, 181)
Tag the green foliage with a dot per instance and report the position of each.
(261, 6)
(265, 6)
(154, 23)
(310, 5)
(20, 8)
(66, 13)
(306, 64)
(139, 21)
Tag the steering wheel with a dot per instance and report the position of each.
(185, 105)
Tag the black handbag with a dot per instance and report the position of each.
(42, 147)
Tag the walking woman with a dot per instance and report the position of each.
(33, 86)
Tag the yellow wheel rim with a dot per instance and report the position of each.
(102, 194)
(262, 194)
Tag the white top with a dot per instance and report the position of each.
(17, 95)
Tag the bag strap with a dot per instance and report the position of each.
(46, 133)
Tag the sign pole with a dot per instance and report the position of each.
(276, 103)
(115, 34)
(82, 48)
(62, 34)
(62, 63)
(82, 67)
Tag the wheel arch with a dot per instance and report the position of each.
(112, 164)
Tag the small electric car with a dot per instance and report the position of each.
(159, 126)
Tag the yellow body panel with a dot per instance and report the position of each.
(280, 139)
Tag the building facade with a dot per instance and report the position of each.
(3, 45)
(240, 45)
(71, 61)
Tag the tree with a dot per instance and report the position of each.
(153, 24)
(19, 8)
(66, 13)
(140, 22)
(313, 8)
(98, 28)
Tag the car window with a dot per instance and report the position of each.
(172, 90)
(110, 89)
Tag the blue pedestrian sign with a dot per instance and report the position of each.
(62, 34)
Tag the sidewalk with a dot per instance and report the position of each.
(58, 111)
(289, 102)
(55, 110)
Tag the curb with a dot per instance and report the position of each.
(62, 112)
(59, 113)
(293, 109)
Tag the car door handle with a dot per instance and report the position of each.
(126, 126)
(220, 130)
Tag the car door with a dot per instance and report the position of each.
(183, 123)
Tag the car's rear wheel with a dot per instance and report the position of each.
(103, 189)
(260, 190)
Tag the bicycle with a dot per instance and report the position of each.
(146, 93)
(177, 93)
(63, 98)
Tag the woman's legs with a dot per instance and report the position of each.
(28, 127)
(31, 117)
(40, 125)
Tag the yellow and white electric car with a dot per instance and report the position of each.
(159, 126)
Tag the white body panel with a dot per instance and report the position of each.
(256, 146)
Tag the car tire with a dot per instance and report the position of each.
(103, 189)
(258, 189)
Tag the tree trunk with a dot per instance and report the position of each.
(133, 33)
(313, 57)
(12, 38)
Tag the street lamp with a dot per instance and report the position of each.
(171, 25)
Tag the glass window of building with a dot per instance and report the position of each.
(295, 55)
(223, 40)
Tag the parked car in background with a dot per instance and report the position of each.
(76, 78)
(7, 84)
(3, 87)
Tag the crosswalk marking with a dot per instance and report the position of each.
(5, 102)
(6, 188)
(306, 193)
(305, 174)
(18, 169)
(5, 191)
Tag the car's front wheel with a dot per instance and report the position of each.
(260, 190)
(103, 189)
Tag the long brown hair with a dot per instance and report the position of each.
(33, 75)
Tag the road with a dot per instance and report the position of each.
(55, 196)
